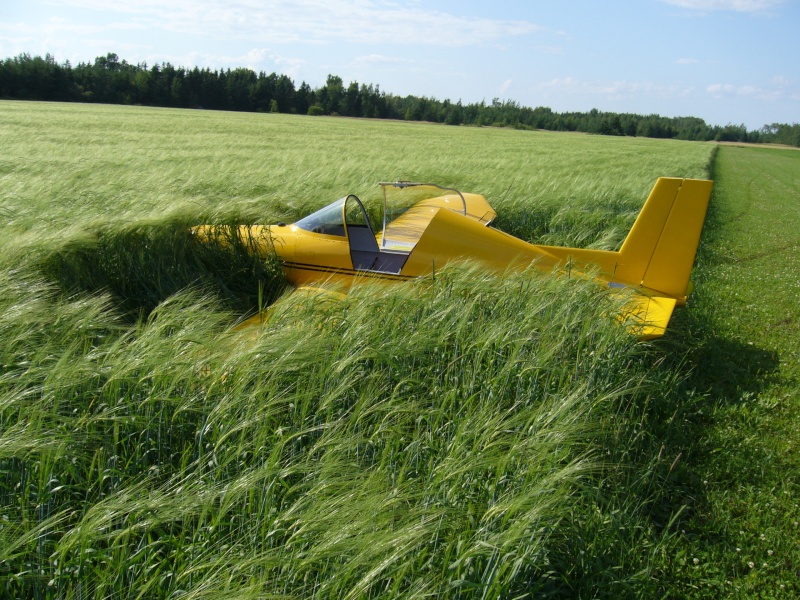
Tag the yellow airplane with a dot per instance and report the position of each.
(337, 243)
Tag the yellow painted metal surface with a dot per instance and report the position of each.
(647, 316)
(451, 237)
(673, 257)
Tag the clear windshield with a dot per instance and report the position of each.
(327, 220)
(401, 228)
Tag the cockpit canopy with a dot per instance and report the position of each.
(407, 209)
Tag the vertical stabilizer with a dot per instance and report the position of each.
(660, 248)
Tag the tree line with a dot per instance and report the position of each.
(113, 81)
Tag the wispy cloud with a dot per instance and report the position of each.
(53, 36)
(313, 21)
(611, 89)
(720, 90)
(504, 88)
(750, 6)
(257, 59)
(59, 26)
(388, 66)
(381, 60)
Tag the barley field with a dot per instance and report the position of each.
(470, 436)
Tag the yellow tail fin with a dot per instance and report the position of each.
(660, 248)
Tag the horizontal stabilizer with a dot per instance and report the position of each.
(647, 316)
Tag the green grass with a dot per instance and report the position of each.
(745, 460)
(471, 437)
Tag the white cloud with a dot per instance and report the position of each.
(380, 60)
(750, 6)
(612, 89)
(312, 21)
(58, 26)
(720, 90)
(504, 88)
(364, 67)
(53, 36)
(256, 59)
(686, 61)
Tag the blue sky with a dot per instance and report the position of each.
(726, 61)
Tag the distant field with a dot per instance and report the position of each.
(471, 437)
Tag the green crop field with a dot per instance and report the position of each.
(471, 436)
